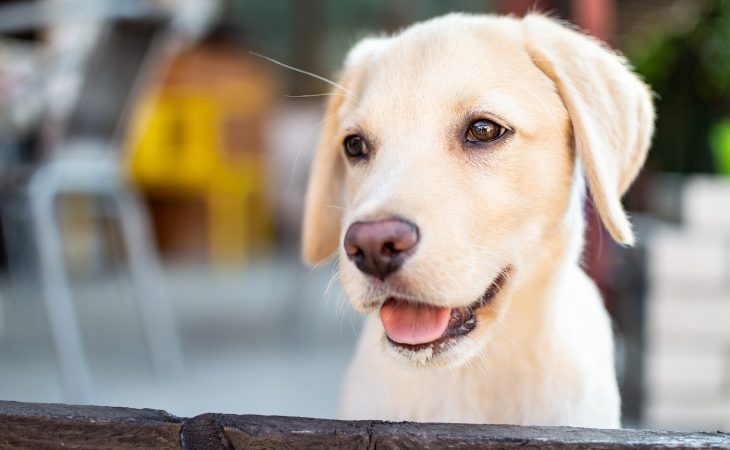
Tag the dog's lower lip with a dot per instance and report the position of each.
(463, 319)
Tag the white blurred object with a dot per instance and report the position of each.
(32, 15)
(687, 255)
(192, 18)
(687, 377)
(88, 167)
(87, 111)
(20, 82)
(706, 204)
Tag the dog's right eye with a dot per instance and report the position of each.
(484, 130)
(355, 146)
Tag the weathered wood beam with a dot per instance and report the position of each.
(46, 426)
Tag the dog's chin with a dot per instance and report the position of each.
(463, 338)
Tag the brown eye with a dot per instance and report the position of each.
(355, 146)
(484, 130)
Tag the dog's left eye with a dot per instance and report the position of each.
(484, 130)
(355, 146)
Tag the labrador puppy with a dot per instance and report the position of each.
(450, 180)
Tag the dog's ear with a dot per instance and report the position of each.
(610, 109)
(323, 205)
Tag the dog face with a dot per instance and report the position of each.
(449, 161)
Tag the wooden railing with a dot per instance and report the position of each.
(42, 426)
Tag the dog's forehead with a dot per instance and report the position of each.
(448, 70)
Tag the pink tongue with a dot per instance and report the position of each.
(410, 323)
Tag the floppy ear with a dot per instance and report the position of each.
(322, 213)
(323, 205)
(610, 109)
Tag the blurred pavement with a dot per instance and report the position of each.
(267, 339)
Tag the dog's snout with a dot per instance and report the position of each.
(379, 248)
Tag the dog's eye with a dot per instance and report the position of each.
(355, 146)
(484, 130)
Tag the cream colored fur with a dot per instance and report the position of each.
(542, 352)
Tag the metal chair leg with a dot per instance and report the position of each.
(57, 292)
(151, 295)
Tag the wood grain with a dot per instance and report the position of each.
(52, 426)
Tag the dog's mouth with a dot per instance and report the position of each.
(418, 326)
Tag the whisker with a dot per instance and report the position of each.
(352, 324)
(302, 71)
(330, 284)
(341, 302)
(322, 94)
(341, 208)
(319, 264)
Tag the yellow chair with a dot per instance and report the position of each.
(202, 137)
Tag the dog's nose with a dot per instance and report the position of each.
(379, 248)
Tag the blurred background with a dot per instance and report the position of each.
(152, 170)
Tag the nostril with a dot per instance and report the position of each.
(358, 255)
(389, 249)
(351, 249)
(405, 239)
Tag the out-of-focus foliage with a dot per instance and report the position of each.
(689, 69)
(720, 142)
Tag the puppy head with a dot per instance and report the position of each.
(447, 166)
